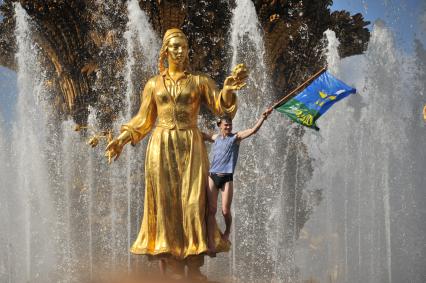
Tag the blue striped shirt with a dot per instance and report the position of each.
(225, 154)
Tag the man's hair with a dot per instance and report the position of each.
(224, 118)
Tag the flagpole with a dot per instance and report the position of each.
(297, 89)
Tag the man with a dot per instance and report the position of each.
(224, 159)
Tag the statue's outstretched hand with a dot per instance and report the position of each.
(113, 149)
(236, 81)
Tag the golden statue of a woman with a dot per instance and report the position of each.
(176, 165)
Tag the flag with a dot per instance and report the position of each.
(306, 107)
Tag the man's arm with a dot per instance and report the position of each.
(247, 133)
(208, 137)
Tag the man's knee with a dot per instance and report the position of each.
(212, 210)
(226, 212)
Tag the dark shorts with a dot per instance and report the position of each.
(220, 180)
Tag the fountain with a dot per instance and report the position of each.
(4, 213)
(61, 187)
(30, 202)
(357, 232)
(253, 196)
(341, 205)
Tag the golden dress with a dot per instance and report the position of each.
(176, 165)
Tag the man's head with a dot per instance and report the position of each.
(225, 125)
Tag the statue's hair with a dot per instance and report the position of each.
(163, 55)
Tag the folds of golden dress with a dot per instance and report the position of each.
(176, 165)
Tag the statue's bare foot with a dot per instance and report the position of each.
(177, 277)
(177, 270)
(195, 275)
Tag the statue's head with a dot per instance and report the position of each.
(174, 49)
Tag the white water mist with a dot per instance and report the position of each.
(364, 171)
(32, 258)
(5, 263)
(257, 181)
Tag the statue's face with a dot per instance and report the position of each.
(177, 50)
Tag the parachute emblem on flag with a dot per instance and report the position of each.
(324, 98)
(309, 103)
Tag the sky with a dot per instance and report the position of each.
(8, 90)
(407, 18)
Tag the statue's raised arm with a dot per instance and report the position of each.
(236, 80)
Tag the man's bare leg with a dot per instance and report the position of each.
(212, 194)
(227, 194)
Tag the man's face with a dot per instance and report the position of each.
(177, 50)
(226, 127)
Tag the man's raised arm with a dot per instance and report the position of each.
(247, 133)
